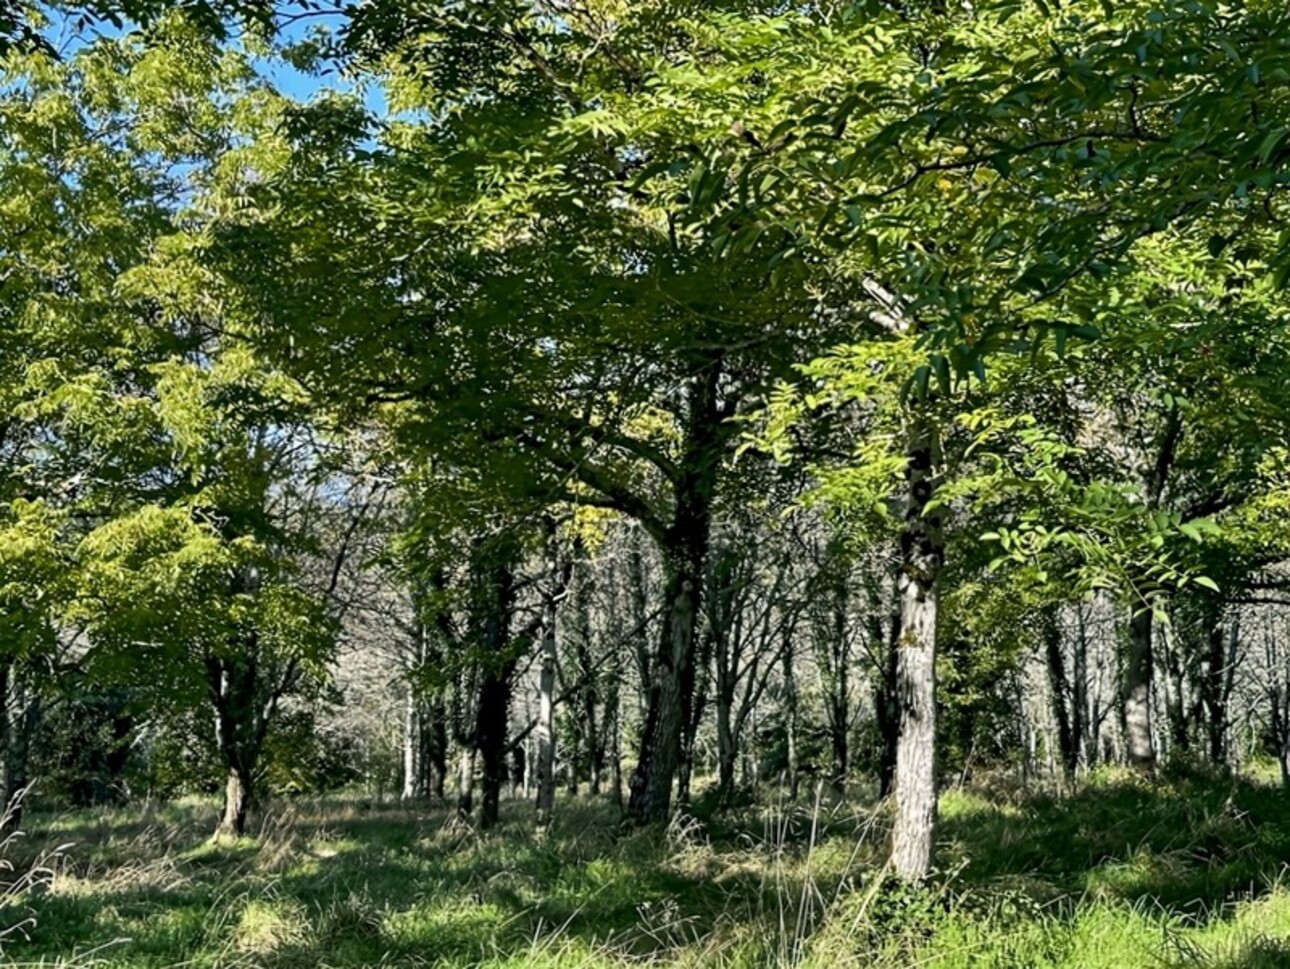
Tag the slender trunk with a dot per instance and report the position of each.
(528, 774)
(1081, 717)
(412, 746)
(1067, 739)
(1280, 729)
(613, 675)
(465, 782)
(546, 723)
(572, 755)
(839, 720)
(519, 770)
(840, 678)
(434, 750)
(695, 687)
(1139, 667)
(922, 554)
(11, 810)
(588, 694)
(595, 758)
(1138, 673)
(790, 717)
(1176, 689)
(613, 706)
(888, 709)
(617, 755)
(727, 752)
(639, 611)
(1229, 672)
(22, 717)
(1215, 696)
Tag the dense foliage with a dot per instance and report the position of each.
(676, 398)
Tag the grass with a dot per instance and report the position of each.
(1181, 873)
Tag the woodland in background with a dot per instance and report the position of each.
(681, 403)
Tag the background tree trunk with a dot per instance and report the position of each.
(1140, 748)
(546, 722)
(413, 746)
(1059, 684)
(791, 715)
(465, 782)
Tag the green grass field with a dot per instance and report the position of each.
(1189, 872)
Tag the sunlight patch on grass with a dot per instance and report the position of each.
(264, 927)
(451, 926)
(958, 802)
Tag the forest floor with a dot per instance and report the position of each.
(1185, 872)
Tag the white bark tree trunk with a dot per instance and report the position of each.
(546, 724)
(922, 554)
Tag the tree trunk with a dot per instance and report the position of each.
(433, 760)
(922, 555)
(519, 770)
(235, 686)
(651, 782)
(1279, 725)
(613, 707)
(839, 720)
(1082, 718)
(887, 706)
(494, 715)
(237, 802)
(695, 687)
(588, 694)
(12, 807)
(1215, 686)
(465, 782)
(1177, 649)
(22, 716)
(727, 754)
(838, 681)
(639, 602)
(413, 743)
(790, 718)
(1138, 674)
(685, 550)
(1139, 667)
(1067, 738)
(493, 606)
(546, 723)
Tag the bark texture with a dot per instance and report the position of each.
(1139, 664)
(546, 723)
(684, 547)
(922, 555)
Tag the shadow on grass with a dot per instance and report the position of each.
(1191, 844)
(350, 885)
(344, 883)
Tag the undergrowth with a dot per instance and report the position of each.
(1179, 873)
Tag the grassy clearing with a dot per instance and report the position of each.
(1185, 873)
